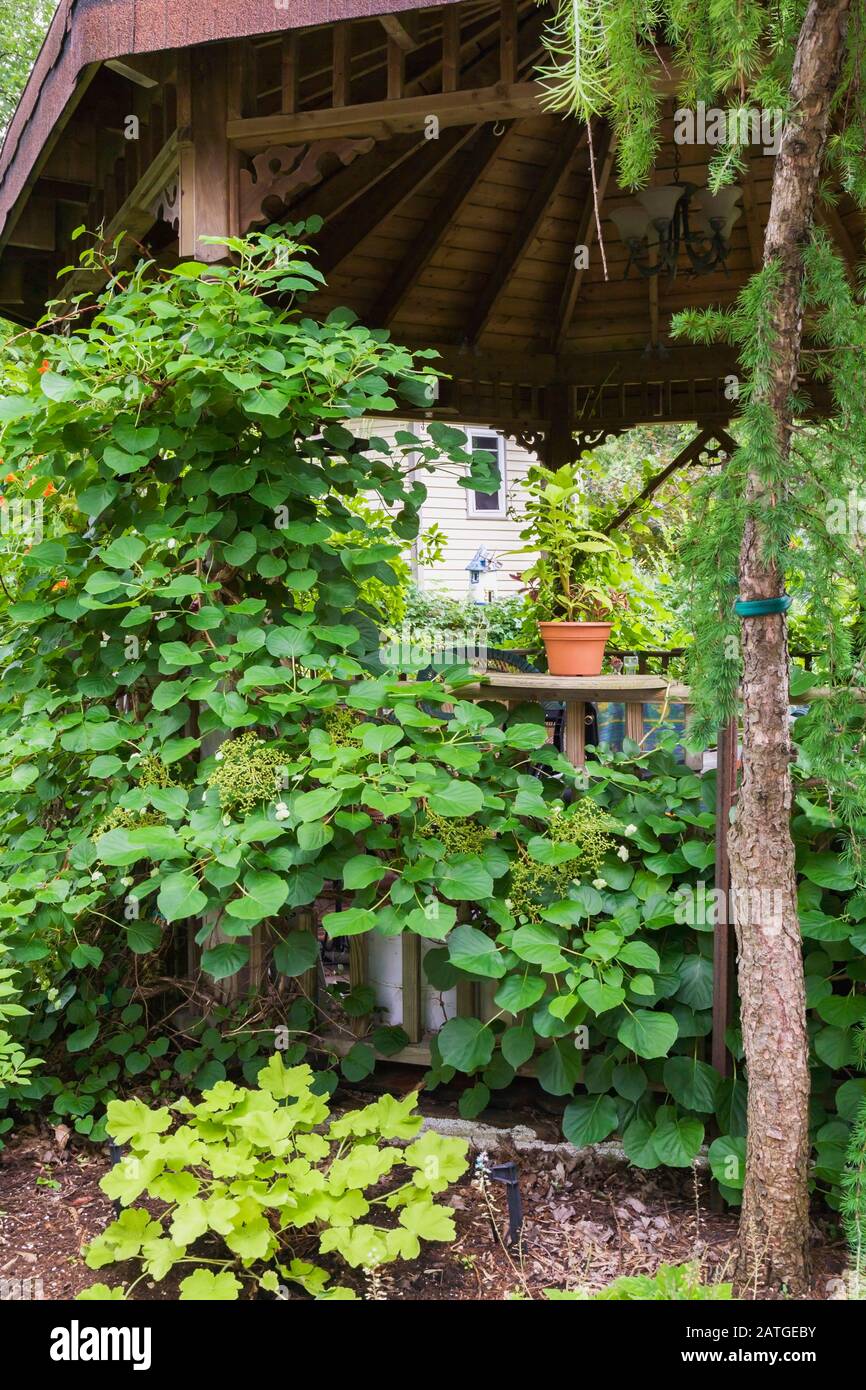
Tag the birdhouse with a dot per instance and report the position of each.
(483, 584)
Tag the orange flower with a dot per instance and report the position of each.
(49, 491)
(61, 584)
(46, 366)
(10, 477)
(2, 501)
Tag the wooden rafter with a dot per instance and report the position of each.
(347, 188)
(402, 28)
(339, 239)
(484, 149)
(585, 234)
(526, 228)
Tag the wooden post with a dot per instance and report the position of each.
(342, 80)
(724, 940)
(487, 1007)
(289, 79)
(413, 1018)
(309, 981)
(559, 447)
(467, 1002)
(209, 165)
(508, 42)
(575, 732)
(358, 976)
(451, 49)
(634, 721)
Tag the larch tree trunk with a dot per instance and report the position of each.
(773, 1250)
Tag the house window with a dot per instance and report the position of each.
(490, 504)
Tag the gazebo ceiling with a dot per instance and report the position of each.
(454, 206)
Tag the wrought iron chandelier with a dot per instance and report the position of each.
(678, 215)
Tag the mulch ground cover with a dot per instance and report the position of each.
(588, 1218)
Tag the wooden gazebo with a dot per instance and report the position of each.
(454, 205)
(458, 212)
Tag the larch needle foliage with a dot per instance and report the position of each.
(605, 57)
(813, 532)
(603, 60)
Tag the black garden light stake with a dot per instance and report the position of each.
(507, 1173)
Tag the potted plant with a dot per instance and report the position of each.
(569, 582)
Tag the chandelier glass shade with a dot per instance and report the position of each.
(675, 217)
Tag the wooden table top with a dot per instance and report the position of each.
(499, 685)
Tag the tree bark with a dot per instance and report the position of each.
(773, 1248)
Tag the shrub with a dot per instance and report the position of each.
(432, 611)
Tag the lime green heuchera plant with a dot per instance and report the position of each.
(249, 1169)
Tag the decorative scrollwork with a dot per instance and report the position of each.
(279, 175)
(712, 453)
(526, 436)
(166, 206)
(592, 438)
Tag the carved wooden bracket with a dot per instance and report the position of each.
(166, 206)
(279, 175)
(592, 438)
(526, 436)
(534, 438)
(715, 451)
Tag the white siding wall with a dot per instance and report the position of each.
(448, 505)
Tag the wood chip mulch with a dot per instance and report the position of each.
(588, 1219)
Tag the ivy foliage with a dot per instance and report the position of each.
(250, 1170)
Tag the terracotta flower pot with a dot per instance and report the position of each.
(574, 649)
